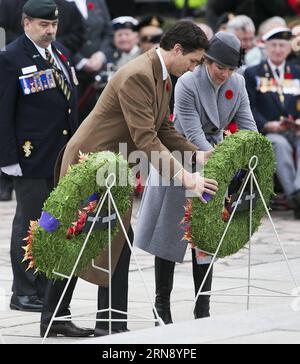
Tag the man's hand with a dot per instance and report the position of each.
(95, 62)
(198, 185)
(274, 127)
(13, 170)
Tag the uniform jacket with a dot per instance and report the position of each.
(98, 33)
(266, 104)
(132, 109)
(42, 118)
(201, 117)
(70, 27)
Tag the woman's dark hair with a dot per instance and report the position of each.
(187, 34)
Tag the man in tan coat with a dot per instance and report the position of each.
(133, 109)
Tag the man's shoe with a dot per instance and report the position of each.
(65, 328)
(26, 303)
(104, 332)
(5, 195)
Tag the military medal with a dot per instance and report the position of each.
(27, 147)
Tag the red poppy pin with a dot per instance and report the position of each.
(63, 57)
(168, 86)
(288, 76)
(229, 94)
(91, 6)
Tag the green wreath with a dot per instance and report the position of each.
(231, 156)
(55, 247)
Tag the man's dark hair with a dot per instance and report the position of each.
(187, 34)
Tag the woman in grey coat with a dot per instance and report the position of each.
(206, 101)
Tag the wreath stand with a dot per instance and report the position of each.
(276, 294)
(110, 181)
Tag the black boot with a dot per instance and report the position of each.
(164, 273)
(199, 271)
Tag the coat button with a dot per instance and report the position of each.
(69, 111)
(65, 132)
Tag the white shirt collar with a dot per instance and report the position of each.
(40, 49)
(281, 69)
(163, 65)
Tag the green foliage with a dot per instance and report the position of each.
(232, 155)
(52, 251)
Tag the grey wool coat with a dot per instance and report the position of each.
(201, 115)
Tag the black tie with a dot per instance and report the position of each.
(59, 76)
(277, 72)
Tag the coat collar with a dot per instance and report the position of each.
(210, 102)
(162, 90)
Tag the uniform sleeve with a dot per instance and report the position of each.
(252, 93)
(8, 98)
(137, 101)
(244, 117)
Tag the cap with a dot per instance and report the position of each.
(43, 9)
(151, 20)
(225, 49)
(278, 33)
(125, 22)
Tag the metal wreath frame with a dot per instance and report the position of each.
(276, 294)
(110, 181)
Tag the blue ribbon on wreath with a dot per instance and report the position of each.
(48, 222)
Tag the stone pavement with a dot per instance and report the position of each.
(270, 320)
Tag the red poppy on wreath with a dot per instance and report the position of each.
(91, 6)
(229, 94)
(288, 76)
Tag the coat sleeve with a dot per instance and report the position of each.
(244, 117)
(188, 117)
(136, 97)
(252, 93)
(8, 100)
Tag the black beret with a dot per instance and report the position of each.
(153, 20)
(42, 9)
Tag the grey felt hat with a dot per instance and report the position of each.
(225, 49)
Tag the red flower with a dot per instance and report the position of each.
(229, 94)
(91, 6)
(168, 88)
(63, 57)
(288, 76)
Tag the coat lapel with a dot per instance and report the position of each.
(162, 94)
(207, 98)
(33, 53)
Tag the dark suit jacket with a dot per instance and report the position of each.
(266, 106)
(41, 118)
(70, 29)
(98, 33)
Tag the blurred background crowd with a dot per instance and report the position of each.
(103, 35)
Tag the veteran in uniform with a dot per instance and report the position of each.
(38, 117)
(206, 101)
(274, 91)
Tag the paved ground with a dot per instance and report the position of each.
(271, 320)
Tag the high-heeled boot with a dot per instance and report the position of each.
(203, 302)
(164, 273)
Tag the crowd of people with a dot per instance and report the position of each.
(74, 77)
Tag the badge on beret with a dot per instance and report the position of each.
(27, 147)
